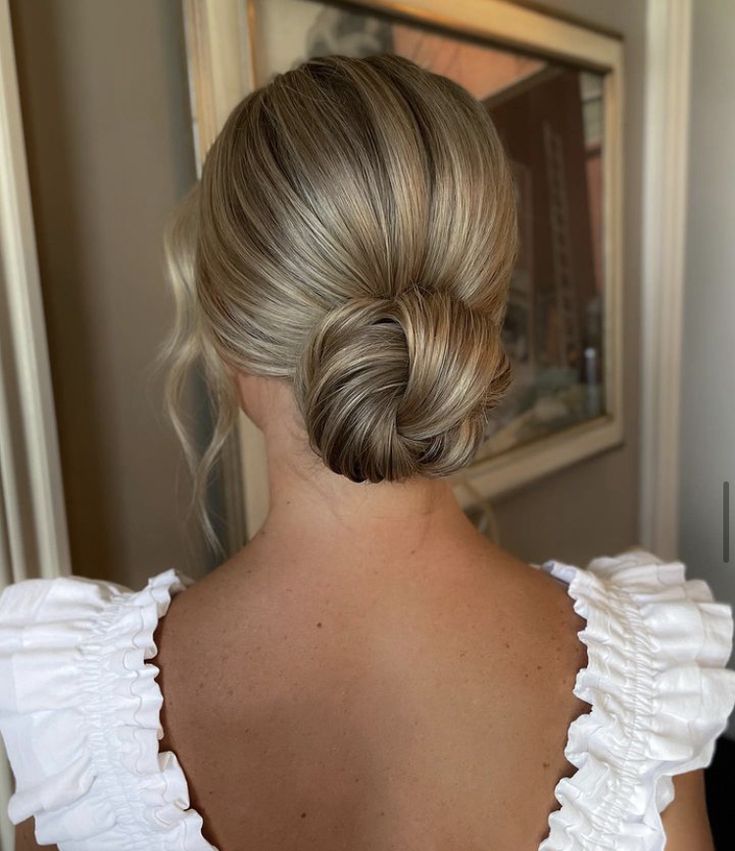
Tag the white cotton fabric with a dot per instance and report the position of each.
(657, 644)
(79, 714)
(80, 707)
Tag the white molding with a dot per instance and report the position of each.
(33, 531)
(30, 468)
(668, 57)
(517, 468)
(220, 71)
(220, 77)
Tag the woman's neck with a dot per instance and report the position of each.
(316, 498)
(317, 516)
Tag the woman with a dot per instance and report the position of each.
(369, 672)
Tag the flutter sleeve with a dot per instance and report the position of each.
(79, 716)
(660, 695)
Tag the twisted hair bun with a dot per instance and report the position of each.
(353, 233)
(395, 387)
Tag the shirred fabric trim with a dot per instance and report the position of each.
(80, 716)
(659, 695)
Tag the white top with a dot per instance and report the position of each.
(79, 707)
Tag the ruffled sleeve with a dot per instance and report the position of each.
(79, 715)
(660, 694)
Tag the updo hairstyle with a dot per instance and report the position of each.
(353, 234)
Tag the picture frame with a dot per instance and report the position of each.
(225, 48)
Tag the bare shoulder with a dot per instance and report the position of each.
(547, 634)
(488, 641)
(544, 612)
(685, 820)
(25, 838)
(180, 637)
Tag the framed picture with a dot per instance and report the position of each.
(553, 88)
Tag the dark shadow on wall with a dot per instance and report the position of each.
(719, 778)
(52, 168)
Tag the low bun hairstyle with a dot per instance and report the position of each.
(395, 387)
(353, 233)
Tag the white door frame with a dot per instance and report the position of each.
(36, 541)
(665, 170)
(33, 530)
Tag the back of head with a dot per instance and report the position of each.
(353, 233)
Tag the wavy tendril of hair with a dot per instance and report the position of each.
(189, 346)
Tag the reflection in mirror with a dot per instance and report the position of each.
(549, 116)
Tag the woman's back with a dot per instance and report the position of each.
(386, 704)
(415, 703)
(369, 673)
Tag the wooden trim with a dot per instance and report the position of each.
(220, 72)
(511, 24)
(569, 18)
(664, 229)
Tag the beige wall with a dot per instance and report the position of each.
(103, 85)
(708, 388)
(107, 123)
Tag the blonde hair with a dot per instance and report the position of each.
(353, 233)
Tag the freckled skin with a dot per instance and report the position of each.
(428, 714)
(427, 710)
